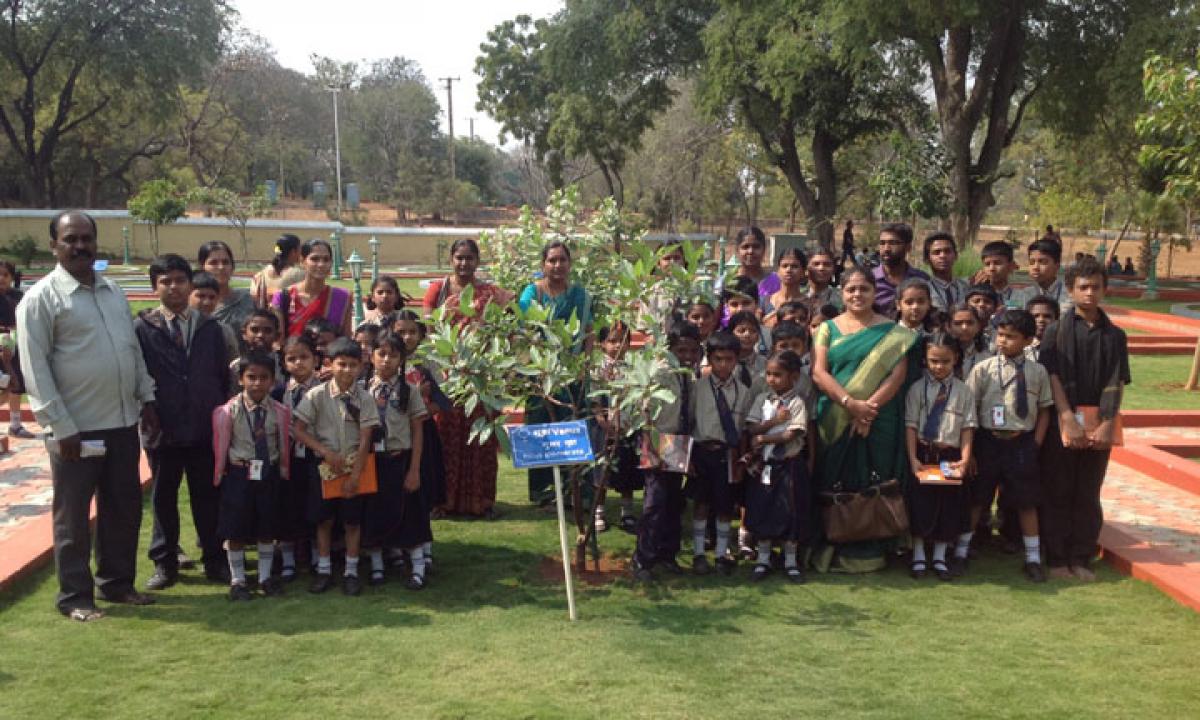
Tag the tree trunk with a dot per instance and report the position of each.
(961, 110)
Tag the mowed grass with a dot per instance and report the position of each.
(1158, 383)
(490, 638)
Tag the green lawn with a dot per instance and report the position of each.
(1159, 306)
(489, 638)
(1158, 383)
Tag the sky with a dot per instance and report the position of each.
(442, 36)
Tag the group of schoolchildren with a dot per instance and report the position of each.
(979, 417)
(275, 443)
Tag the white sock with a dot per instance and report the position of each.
(377, 559)
(289, 554)
(314, 558)
(416, 557)
(698, 528)
(324, 565)
(15, 425)
(939, 552)
(600, 512)
(351, 566)
(1033, 549)
(266, 556)
(963, 546)
(789, 554)
(918, 551)
(237, 567)
(722, 538)
(764, 553)
(427, 550)
(626, 507)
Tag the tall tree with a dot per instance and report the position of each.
(391, 120)
(987, 62)
(590, 81)
(51, 50)
(797, 75)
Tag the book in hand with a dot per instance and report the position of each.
(1088, 417)
(333, 484)
(673, 453)
(941, 474)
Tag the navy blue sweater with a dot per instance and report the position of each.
(189, 384)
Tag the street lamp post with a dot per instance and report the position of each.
(125, 240)
(1152, 272)
(337, 148)
(335, 239)
(356, 267)
(374, 243)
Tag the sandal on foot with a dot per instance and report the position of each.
(85, 614)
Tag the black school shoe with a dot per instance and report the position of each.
(271, 587)
(700, 565)
(760, 572)
(415, 582)
(942, 571)
(377, 578)
(1035, 572)
(321, 583)
(673, 567)
(917, 571)
(238, 592)
(641, 573)
(795, 575)
(351, 585)
(958, 566)
(163, 578)
(726, 564)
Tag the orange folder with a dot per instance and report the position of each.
(332, 485)
(1089, 417)
(933, 475)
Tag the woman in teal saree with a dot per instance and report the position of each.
(555, 292)
(859, 363)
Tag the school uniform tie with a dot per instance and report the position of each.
(728, 426)
(744, 374)
(352, 409)
(1022, 394)
(685, 399)
(933, 421)
(382, 393)
(262, 449)
(176, 332)
(297, 396)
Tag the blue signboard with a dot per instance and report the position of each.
(564, 443)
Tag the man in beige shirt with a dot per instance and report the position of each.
(88, 385)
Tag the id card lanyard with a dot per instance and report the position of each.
(999, 415)
(256, 465)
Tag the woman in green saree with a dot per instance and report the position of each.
(859, 365)
(555, 291)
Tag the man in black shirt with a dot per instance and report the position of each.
(1088, 361)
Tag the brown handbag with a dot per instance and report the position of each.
(875, 513)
